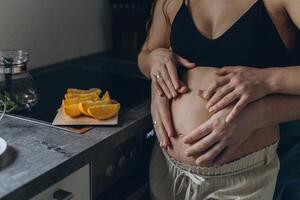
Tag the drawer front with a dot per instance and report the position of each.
(75, 187)
(120, 172)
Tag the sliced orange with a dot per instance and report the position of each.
(88, 95)
(105, 111)
(67, 102)
(72, 110)
(106, 98)
(76, 100)
(84, 106)
(78, 91)
(88, 102)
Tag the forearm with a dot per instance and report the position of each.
(273, 109)
(142, 61)
(284, 80)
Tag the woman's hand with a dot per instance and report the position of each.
(164, 74)
(242, 85)
(215, 140)
(161, 116)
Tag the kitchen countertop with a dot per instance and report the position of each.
(37, 152)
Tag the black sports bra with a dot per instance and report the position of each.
(252, 40)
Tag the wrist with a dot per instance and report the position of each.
(143, 63)
(251, 115)
(272, 80)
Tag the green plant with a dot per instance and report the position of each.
(11, 106)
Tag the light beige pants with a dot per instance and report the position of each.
(252, 177)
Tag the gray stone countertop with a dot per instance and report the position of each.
(37, 152)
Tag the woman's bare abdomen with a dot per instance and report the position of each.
(189, 111)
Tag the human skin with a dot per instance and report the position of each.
(189, 111)
(286, 19)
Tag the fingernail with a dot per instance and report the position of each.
(218, 163)
(187, 153)
(210, 110)
(227, 120)
(198, 162)
(184, 87)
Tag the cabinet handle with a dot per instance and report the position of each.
(110, 170)
(62, 195)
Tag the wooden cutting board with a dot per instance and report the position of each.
(63, 120)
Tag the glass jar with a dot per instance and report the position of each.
(2, 109)
(17, 89)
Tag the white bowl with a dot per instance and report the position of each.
(3, 146)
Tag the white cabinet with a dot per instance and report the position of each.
(77, 185)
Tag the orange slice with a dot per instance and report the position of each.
(84, 106)
(105, 111)
(78, 91)
(72, 110)
(77, 100)
(93, 95)
(106, 98)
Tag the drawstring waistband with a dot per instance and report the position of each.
(186, 175)
(189, 178)
(263, 156)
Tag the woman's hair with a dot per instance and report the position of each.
(150, 20)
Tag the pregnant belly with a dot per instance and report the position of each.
(189, 111)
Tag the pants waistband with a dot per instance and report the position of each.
(260, 157)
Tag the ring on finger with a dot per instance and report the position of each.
(157, 76)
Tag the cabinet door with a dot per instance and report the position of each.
(74, 187)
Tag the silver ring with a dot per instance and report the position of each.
(157, 76)
(154, 124)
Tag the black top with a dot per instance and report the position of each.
(252, 40)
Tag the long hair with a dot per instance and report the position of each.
(150, 20)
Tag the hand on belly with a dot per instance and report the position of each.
(191, 118)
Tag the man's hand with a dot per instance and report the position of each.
(241, 85)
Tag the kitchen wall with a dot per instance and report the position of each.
(55, 30)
